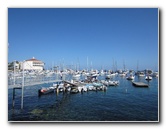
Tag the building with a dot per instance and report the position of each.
(32, 64)
(14, 64)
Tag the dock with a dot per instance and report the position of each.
(73, 84)
(140, 84)
(33, 83)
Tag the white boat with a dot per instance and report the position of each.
(110, 83)
(89, 86)
(68, 89)
(74, 90)
(113, 83)
(155, 74)
(85, 88)
(122, 74)
(80, 88)
(76, 76)
(141, 74)
(44, 90)
(148, 77)
(104, 82)
(102, 72)
(130, 77)
(113, 74)
(91, 78)
(108, 76)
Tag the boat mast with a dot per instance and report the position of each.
(115, 65)
(137, 65)
(14, 71)
(91, 66)
(124, 66)
(78, 67)
(87, 63)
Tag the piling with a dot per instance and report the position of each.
(57, 89)
(13, 100)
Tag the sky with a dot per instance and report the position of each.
(89, 37)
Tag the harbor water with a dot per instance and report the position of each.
(124, 102)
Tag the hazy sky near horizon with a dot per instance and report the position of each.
(105, 36)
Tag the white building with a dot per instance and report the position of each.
(32, 64)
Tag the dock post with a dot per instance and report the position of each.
(57, 89)
(14, 73)
(22, 96)
(13, 101)
(64, 89)
(14, 94)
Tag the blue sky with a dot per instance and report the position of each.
(70, 35)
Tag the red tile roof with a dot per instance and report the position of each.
(33, 59)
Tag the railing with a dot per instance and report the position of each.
(32, 79)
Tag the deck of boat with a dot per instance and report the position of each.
(140, 84)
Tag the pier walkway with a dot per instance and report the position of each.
(33, 83)
(73, 84)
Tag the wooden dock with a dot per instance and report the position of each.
(33, 83)
(140, 84)
(70, 83)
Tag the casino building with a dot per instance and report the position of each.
(32, 64)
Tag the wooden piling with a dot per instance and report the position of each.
(13, 100)
(13, 97)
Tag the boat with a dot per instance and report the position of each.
(91, 78)
(104, 82)
(130, 77)
(80, 88)
(68, 89)
(85, 88)
(148, 77)
(122, 74)
(89, 86)
(74, 90)
(108, 76)
(141, 74)
(140, 84)
(99, 86)
(76, 76)
(113, 83)
(61, 87)
(110, 83)
(44, 90)
(155, 74)
(58, 84)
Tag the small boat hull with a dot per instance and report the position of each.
(140, 84)
(45, 91)
(74, 91)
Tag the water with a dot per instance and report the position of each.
(119, 103)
